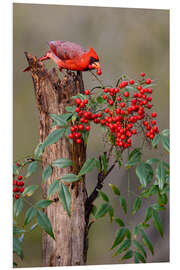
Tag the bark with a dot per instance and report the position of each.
(52, 96)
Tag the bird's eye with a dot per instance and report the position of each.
(92, 60)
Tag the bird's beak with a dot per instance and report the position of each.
(95, 65)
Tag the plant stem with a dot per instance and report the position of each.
(97, 78)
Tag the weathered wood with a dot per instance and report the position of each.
(52, 96)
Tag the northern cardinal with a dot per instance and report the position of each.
(71, 56)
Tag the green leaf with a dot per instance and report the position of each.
(38, 151)
(17, 230)
(18, 206)
(146, 241)
(43, 203)
(102, 211)
(44, 222)
(87, 166)
(145, 173)
(17, 247)
(15, 169)
(123, 204)
(120, 234)
(53, 188)
(111, 213)
(133, 158)
(62, 163)
(98, 165)
(100, 99)
(124, 246)
(94, 209)
(127, 255)
(33, 227)
(157, 222)
(103, 195)
(115, 189)
(46, 173)
(158, 206)
(148, 214)
(156, 140)
(119, 222)
(139, 257)
(31, 168)
(65, 197)
(53, 137)
(28, 191)
(104, 163)
(160, 174)
(30, 214)
(165, 143)
(152, 161)
(137, 205)
(58, 119)
(165, 132)
(136, 231)
(70, 109)
(70, 178)
(140, 247)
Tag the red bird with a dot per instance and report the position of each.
(71, 56)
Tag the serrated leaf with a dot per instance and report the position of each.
(70, 178)
(124, 246)
(156, 140)
(58, 119)
(123, 204)
(104, 163)
(119, 222)
(160, 174)
(157, 222)
(133, 158)
(165, 143)
(145, 173)
(28, 191)
(98, 165)
(87, 166)
(152, 161)
(18, 206)
(115, 189)
(146, 241)
(165, 132)
(31, 168)
(148, 214)
(30, 214)
(120, 234)
(62, 163)
(43, 203)
(127, 255)
(46, 173)
(53, 188)
(53, 137)
(65, 197)
(17, 247)
(44, 222)
(70, 109)
(140, 247)
(139, 256)
(136, 205)
(103, 195)
(136, 231)
(102, 211)
(38, 151)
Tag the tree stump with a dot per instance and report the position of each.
(52, 96)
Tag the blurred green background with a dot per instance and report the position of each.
(127, 41)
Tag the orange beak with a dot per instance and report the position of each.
(96, 65)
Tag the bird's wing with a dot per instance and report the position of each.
(66, 50)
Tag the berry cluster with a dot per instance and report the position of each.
(126, 109)
(18, 184)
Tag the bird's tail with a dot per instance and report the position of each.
(45, 57)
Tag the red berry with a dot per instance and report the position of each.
(72, 129)
(82, 104)
(143, 74)
(18, 164)
(21, 189)
(151, 136)
(149, 98)
(19, 177)
(85, 101)
(131, 81)
(106, 110)
(133, 131)
(87, 128)
(116, 90)
(110, 101)
(99, 72)
(118, 98)
(105, 97)
(17, 183)
(102, 122)
(78, 101)
(81, 127)
(126, 94)
(153, 122)
(79, 141)
(86, 92)
(139, 87)
(70, 136)
(148, 81)
(21, 183)
(17, 196)
(122, 104)
(154, 114)
(77, 109)
(106, 90)
(149, 106)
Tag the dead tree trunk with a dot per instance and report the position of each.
(52, 96)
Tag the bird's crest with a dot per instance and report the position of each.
(93, 53)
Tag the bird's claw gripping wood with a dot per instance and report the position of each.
(71, 56)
